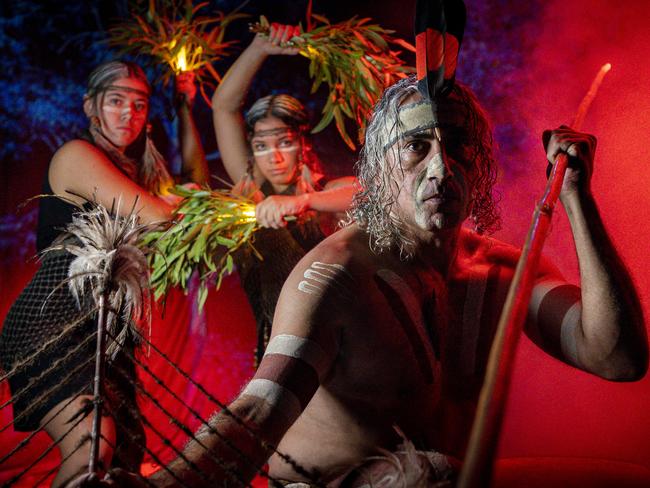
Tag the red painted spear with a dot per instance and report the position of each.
(481, 451)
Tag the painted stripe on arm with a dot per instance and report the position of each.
(300, 348)
(539, 292)
(568, 333)
(289, 374)
(278, 397)
(558, 316)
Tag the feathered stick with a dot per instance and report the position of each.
(439, 26)
(110, 257)
(111, 262)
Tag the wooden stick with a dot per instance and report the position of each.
(98, 383)
(481, 451)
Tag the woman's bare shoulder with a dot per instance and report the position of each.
(78, 165)
(74, 150)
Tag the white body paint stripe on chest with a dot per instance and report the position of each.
(300, 348)
(279, 397)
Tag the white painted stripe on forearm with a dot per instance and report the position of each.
(276, 395)
(568, 334)
(300, 348)
(540, 290)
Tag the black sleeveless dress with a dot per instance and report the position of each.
(48, 343)
(281, 249)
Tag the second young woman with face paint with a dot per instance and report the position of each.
(267, 155)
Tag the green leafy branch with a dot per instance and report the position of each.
(354, 58)
(210, 226)
(172, 34)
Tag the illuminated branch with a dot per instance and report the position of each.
(171, 34)
(211, 225)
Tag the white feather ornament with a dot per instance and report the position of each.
(110, 259)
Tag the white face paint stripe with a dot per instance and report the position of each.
(124, 111)
(540, 290)
(278, 397)
(266, 152)
(435, 166)
(300, 348)
(117, 110)
(414, 117)
(319, 276)
(472, 312)
(413, 306)
(568, 331)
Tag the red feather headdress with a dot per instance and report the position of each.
(439, 26)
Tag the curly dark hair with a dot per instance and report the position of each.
(372, 206)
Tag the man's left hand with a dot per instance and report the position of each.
(580, 148)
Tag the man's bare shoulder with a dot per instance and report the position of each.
(484, 250)
(320, 292)
(330, 271)
(346, 248)
(487, 250)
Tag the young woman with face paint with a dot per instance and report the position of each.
(267, 155)
(114, 160)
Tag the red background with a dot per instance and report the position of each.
(554, 410)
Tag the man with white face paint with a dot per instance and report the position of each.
(383, 329)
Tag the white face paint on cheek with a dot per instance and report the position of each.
(121, 112)
(422, 219)
(423, 212)
(436, 167)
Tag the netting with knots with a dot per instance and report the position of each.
(55, 360)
